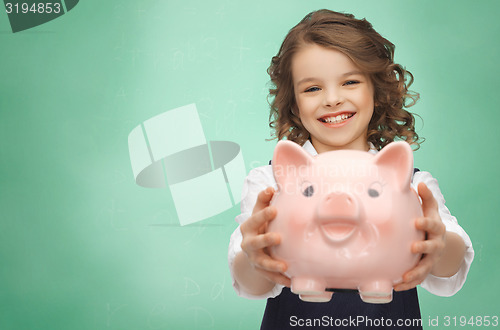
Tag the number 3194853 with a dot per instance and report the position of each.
(35, 8)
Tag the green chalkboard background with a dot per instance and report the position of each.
(83, 247)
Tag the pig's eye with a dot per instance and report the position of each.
(308, 192)
(375, 189)
(307, 189)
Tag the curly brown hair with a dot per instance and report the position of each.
(372, 53)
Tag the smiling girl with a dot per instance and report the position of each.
(335, 98)
(336, 86)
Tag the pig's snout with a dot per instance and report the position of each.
(341, 206)
(338, 216)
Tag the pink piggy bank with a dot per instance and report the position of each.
(346, 220)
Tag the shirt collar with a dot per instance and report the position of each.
(312, 151)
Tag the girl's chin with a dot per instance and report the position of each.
(339, 144)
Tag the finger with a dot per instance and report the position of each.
(433, 226)
(257, 220)
(406, 286)
(263, 199)
(429, 203)
(416, 275)
(260, 241)
(265, 262)
(427, 247)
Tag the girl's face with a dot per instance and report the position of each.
(335, 99)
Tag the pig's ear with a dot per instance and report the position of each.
(288, 160)
(396, 161)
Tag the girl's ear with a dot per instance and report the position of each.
(395, 161)
(288, 161)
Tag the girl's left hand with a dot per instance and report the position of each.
(432, 247)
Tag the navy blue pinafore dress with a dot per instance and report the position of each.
(345, 310)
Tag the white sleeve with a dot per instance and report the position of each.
(445, 286)
(257, 180)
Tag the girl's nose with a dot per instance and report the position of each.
(333, 98)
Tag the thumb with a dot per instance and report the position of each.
(429, 203)
(263, 199)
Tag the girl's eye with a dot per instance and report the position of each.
(312, 89)
(351, 82)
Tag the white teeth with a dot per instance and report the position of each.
(336, 119)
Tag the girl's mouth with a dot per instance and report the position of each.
(338, 119)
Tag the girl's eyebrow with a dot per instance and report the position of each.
(306, 80)
(352, 73)
(347, 74)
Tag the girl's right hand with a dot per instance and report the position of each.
(256, 240)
